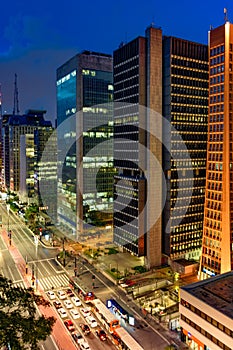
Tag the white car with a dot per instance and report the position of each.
(78, 338)
(61, 294)
(84, 346)
(51, 294)
(62, 312)
(68, 304)
(74, 314)
(92, 321)
(76, 301)
(85, 311)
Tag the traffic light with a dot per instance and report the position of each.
(93, 277)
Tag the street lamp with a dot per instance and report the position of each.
(8, 211)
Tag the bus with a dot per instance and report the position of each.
(125, 340)
(104, 315)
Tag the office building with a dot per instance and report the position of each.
(13, 126)
(27, 168)
(218, 211)
(185, 108)
(45, 171)
(85, 149)
(169, 76)
(206, 311)
(138, 182)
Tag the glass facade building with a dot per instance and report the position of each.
(85, 142)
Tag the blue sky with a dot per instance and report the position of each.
(37, 37)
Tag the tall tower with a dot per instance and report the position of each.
(85, 160)
(185, 108)
(138, 84)
(218, 210)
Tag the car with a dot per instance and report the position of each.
(62, 312)
(74, 314)
(85, 311)
(78, 338)
(61, 294)
(101, 334)
(84, 346)
(68, 304)
(92, 321)
(51, 294)
(85, 328)
(57, 304)
(76, 301)
(69, 325)
(69, 292)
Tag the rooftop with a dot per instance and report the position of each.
(216, 291)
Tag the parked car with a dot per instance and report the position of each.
(76, 301)
(61, 294)
(101, 334)
(85, 328)
(85, 311)
(57, 304)
(74, 314)
(68, 304)
(51, 294)
(69, 325)
(62, 312)
(92, 321)
(78, 338)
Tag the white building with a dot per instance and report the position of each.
(206, 313)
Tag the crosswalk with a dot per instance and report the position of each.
(53, 282)
(47, 283)
(19, 284)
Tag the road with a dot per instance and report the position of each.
(48, 275)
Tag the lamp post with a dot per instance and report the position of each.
(8, 222)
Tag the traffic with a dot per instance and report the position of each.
(85, 318)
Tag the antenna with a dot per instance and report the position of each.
(225, 15)
(16, 101)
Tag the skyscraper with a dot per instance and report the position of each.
(185, 107)
(168, 76)
(217, 245)
(85, 149)
(138, 184)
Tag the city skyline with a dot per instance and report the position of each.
(34, 44)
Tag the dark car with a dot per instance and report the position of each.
(101, 334)
(69, 292)
(69, 325)
(57, 304)
(85, 328)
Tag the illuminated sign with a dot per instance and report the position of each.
(210, 273)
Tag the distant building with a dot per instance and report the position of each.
(217, 249)
(206, 313)
(85, 148)
(22, 156)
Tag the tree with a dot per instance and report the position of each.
(20, 325)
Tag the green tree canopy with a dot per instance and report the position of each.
(21, 326)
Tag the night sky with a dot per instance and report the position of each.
(36, 37)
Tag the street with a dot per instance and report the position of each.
(50, 275)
